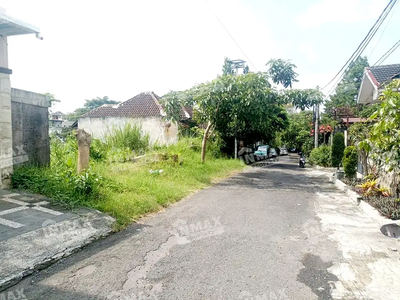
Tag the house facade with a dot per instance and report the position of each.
(374, 80)
(373, 84)
(143, 109)
(58, 121)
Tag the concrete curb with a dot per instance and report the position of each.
(355, 198)
(35, 250)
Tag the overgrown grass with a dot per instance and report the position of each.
(126, 190)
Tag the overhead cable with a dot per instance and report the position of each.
(364, 42)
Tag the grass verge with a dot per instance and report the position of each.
(130, 190)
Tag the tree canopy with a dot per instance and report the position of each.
(88, 106)
(347, 90)
(282, 72)
(384, 138)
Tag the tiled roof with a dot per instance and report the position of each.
(144, 105)
(385, 73)
(141, 106)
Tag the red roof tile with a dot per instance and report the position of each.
(143, 105)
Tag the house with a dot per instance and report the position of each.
(143, 109)
(58, 121)
(373, 83)
(24, 133)
(374, 80)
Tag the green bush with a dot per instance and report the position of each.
(337, 149)
(321, 156)
(130, 136)
(350, 160)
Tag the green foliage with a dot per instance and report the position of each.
(337, 149)
(297, 135)
(282, 72)
(358, 135)
(63, 185)
(242, 106)
(88, 106)
(387, 206)
(130, 136)
(384, 136)
(227, 67)
(126, 190)
(347, 90)
(321, 156)
(302, 99)
(350, 161)
(371, 188)
(365, 111)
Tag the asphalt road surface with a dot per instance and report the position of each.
(253, 236)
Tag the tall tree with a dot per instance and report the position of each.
(88, 106)
(244, 106)
(347, 90)
(282, 72)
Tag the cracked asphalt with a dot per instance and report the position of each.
(274, 232)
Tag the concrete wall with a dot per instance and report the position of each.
(30, 128)
(158, 130)
(6, 153)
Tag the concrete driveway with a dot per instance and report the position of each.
(274, 232)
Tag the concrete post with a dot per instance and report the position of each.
(6, 150)
(84, 141)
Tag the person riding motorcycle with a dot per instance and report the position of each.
(302, 160)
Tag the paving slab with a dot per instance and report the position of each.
(35, 233)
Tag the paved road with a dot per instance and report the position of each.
(254, 236)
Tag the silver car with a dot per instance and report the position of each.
(283, 151)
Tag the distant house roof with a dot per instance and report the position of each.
(385, 73)
(144, 105)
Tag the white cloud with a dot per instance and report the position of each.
(347, 11)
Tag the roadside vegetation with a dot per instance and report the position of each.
(119, 184)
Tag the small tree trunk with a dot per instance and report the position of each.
(84, 141)
(204, 144)
(364, 162)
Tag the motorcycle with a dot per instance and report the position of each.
(302, 161)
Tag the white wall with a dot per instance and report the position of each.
(159, 131)
(6, 150)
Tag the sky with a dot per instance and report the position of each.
(121, 48)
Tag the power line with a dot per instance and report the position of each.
(231, 36)
(384, 29)
(366, 40)
(388, 53)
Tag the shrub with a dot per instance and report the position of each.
(337, 149)
(130, 136)
(370, 188)
(321, 156)
(350, 160)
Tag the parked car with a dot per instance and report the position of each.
(284, 151)
(272, 152)
(262, 151)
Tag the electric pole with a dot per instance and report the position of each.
(316, 129)
(236, 65)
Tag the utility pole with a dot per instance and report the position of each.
(316, 129)
(237, 64)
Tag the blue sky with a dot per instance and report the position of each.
(121, 48)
